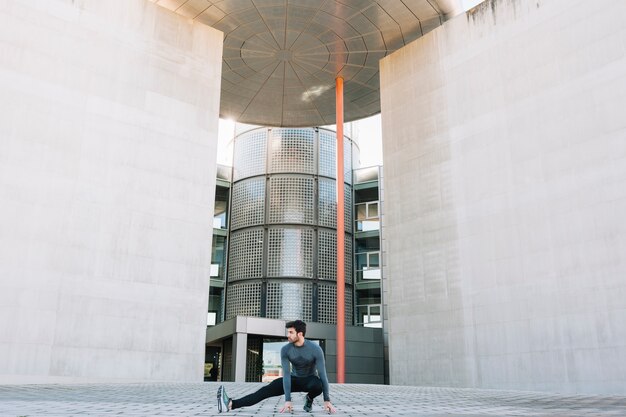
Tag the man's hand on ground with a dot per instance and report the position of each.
(329, 407)
(288, 407)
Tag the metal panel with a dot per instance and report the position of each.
(250, 154)
(291, 52)
(327, 255)
(347, 160)
(327, 206)
(348, 256)
(248, 203)
(347, 213)
(246, 255)
(291, 199)
(292, 150)
(289, 300)
(290, 252)
(327, 146)
(327, 304)
(244, 299)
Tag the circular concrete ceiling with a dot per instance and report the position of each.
(281, 57)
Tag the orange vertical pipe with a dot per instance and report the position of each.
(341, 299)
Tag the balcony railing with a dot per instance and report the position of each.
(219, 221)
(367, 265)
(369, 315)
(223, 172)
(365, 175)
(366, 216)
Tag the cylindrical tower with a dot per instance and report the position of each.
(283, 233)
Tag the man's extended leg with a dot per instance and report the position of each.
(274, 389)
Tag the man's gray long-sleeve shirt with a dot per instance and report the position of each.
(305, 360)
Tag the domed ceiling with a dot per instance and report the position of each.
(281, 57)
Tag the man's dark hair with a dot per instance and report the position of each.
(299, 325)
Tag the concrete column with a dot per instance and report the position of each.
(240, 344)
(108, 135)
(504, 227)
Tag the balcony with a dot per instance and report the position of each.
(369, 315)
(368, 175)
(366, 217)
(367, 269)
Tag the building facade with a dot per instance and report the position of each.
(503, 231)
(280, 248)
(108, 137)
(505, 171)
(283, 237)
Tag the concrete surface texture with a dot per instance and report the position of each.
(199, 399)
(108, 132)
(505, 194)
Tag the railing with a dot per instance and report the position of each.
(219, 221)
(366, 216)
(366, 174)
(224, 172)
(367, 265)
(369, 315)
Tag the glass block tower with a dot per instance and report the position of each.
(283, 232)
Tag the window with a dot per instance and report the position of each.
(272, 366)
(218, 257)
(367, 265)
(220, 218)
(367, 216)
(369, 315)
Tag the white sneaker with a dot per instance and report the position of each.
(222, 400)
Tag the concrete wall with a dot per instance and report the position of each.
(505, 213)
(108, 132)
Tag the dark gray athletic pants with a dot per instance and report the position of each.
(310, 384)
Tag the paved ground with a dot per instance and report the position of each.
(350, 399)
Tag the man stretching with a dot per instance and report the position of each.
(305, 357)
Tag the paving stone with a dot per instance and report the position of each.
(199, 399)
